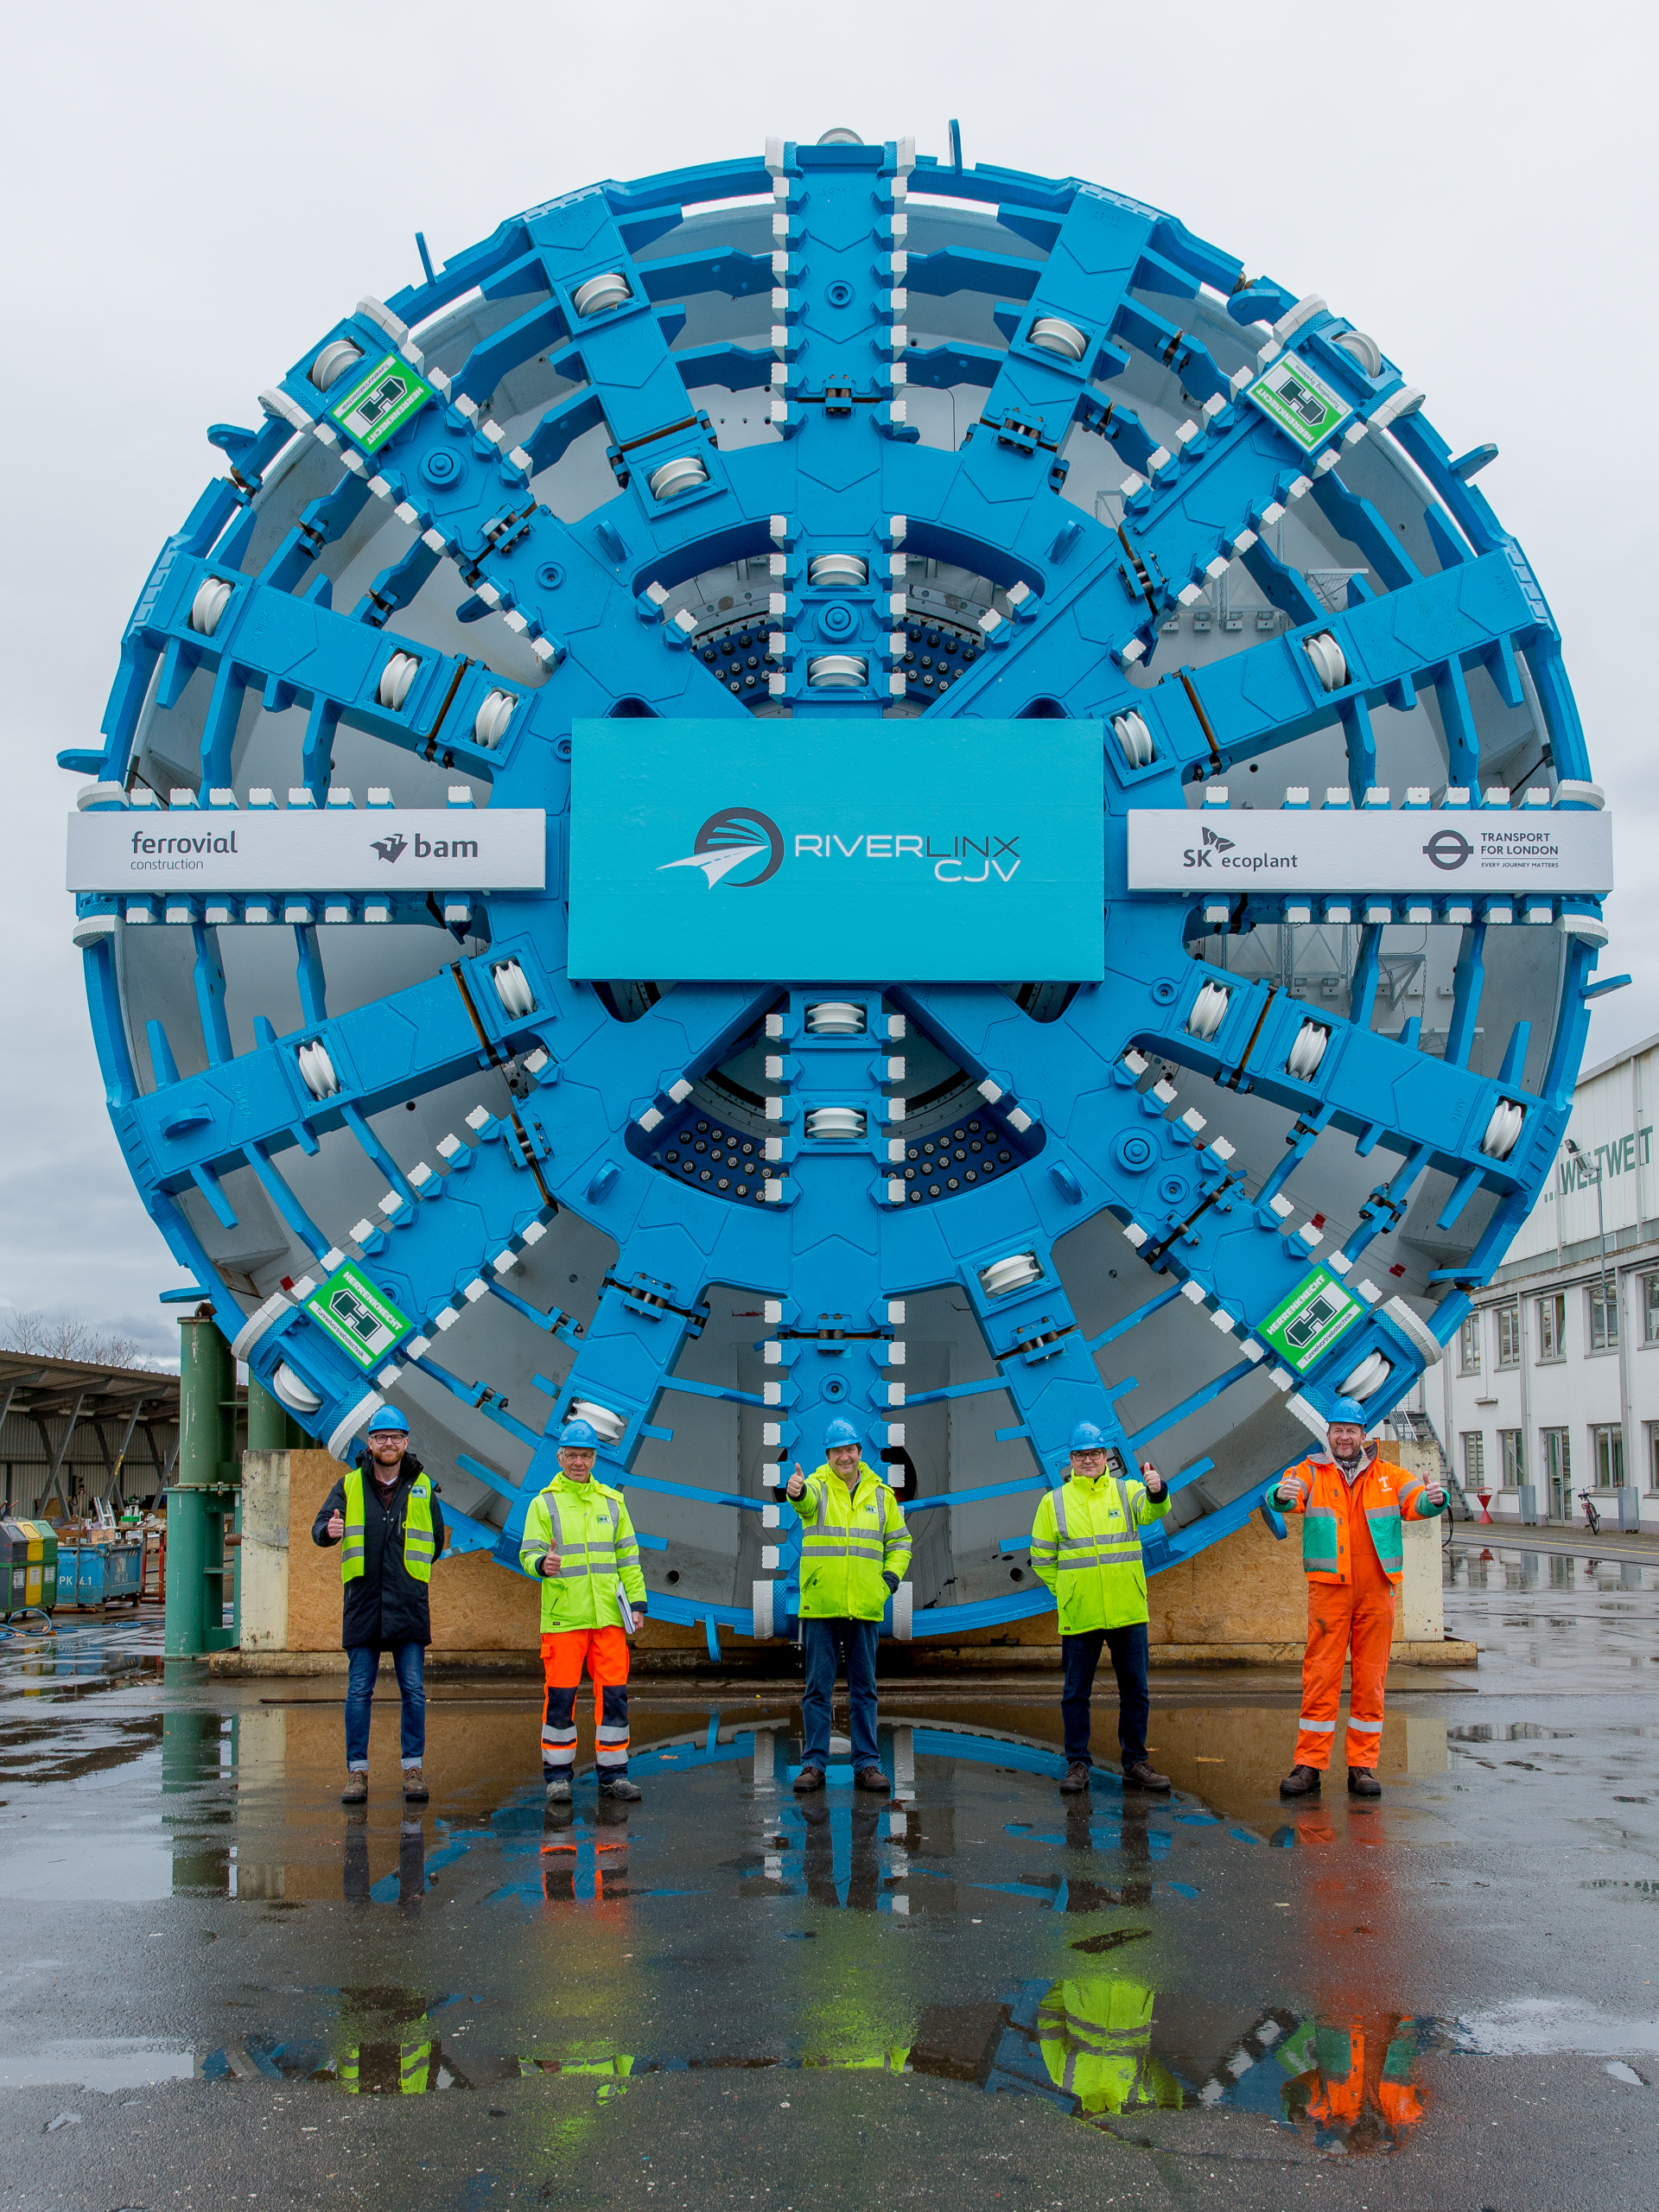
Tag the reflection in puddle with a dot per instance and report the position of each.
(1095, 2046)
(117, 2062)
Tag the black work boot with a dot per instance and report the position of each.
(1361, 1783)
(1300, 1781)
(1075, 1781)
(1141, 1774)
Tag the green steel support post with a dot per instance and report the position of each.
(206, 1494)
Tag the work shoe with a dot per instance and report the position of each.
(1300, 1781)
(1361, 1783)
(357, 1786)
(618, 1785)
(872, 1779)
(558, 1789)
(1075, 1781)
(809, 1777)
(1141, 1775)
(414, 1790)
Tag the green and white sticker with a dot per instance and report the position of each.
(1303, 1327)
(381, 403)
(357, 1316)
(1304, 406)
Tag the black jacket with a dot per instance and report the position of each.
(385, 1604)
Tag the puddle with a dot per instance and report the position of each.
(117, 2063)
(1537, 2027)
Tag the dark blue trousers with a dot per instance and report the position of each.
(1080, 1655)
(822, 1645)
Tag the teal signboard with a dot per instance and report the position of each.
(960, 851)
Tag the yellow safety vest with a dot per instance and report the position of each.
(851, 1538)
(418, 1529)
(1085, 1546)
(1096, 2038)
(587, 1526)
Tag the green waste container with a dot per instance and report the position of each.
(29, 1566)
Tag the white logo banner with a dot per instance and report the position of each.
(343, 848)
(1332, 850)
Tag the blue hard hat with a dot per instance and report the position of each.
(1347, 1409)
(841, 1431)
(1088, 1436)
(578, 1436)
(389, 1417)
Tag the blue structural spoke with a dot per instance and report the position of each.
(1108, 464)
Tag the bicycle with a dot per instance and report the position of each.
(1590, 1513)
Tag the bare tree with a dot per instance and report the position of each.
(66, 1336)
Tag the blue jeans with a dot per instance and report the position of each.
(409, 1660)
(822, 1645)
(1080, 1655)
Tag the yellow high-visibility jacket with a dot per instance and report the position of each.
(587, 1526)
(1085, 1545)
(851, 1538)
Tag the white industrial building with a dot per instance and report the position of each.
(1552, 1386)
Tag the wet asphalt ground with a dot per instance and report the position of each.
(221, 1988)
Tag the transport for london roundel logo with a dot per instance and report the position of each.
(728, 840)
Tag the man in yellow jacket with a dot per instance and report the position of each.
(1351, 1503)
(855, 1549)
(579, 1541)
(1096, 2038)
(1085, 1546)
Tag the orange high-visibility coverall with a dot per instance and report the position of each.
(1351, 1556)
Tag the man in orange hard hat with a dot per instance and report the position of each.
(1351, 1503)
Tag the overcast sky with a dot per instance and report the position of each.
(191, 192)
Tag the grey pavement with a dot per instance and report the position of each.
(224, 1988)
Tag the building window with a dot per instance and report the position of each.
(1607, 1449)
(1557, 1471)
(1511, 1445)
(1552, 1326)
(1650, 1308)
(1474, 1461)
(1603, 1316)
(1509, 1336)
(1653, 1456)
(1469, 1343)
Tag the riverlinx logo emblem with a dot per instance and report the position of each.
(729, 843)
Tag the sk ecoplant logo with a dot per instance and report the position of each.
(738, 837)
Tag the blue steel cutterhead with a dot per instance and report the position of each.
(958, 489)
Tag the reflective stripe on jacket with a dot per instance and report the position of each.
(418, 1547)
(850, 1539)
(1085, 1546)
(1096, 2039)
(587, 1526)
(1384, 1493)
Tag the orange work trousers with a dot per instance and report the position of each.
(604, 1653)
(1357, 1619)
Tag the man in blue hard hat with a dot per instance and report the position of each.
(854, 1550)
(383, 1510)
(579, 1541)
(1085, 1546)
(1352, 1504)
